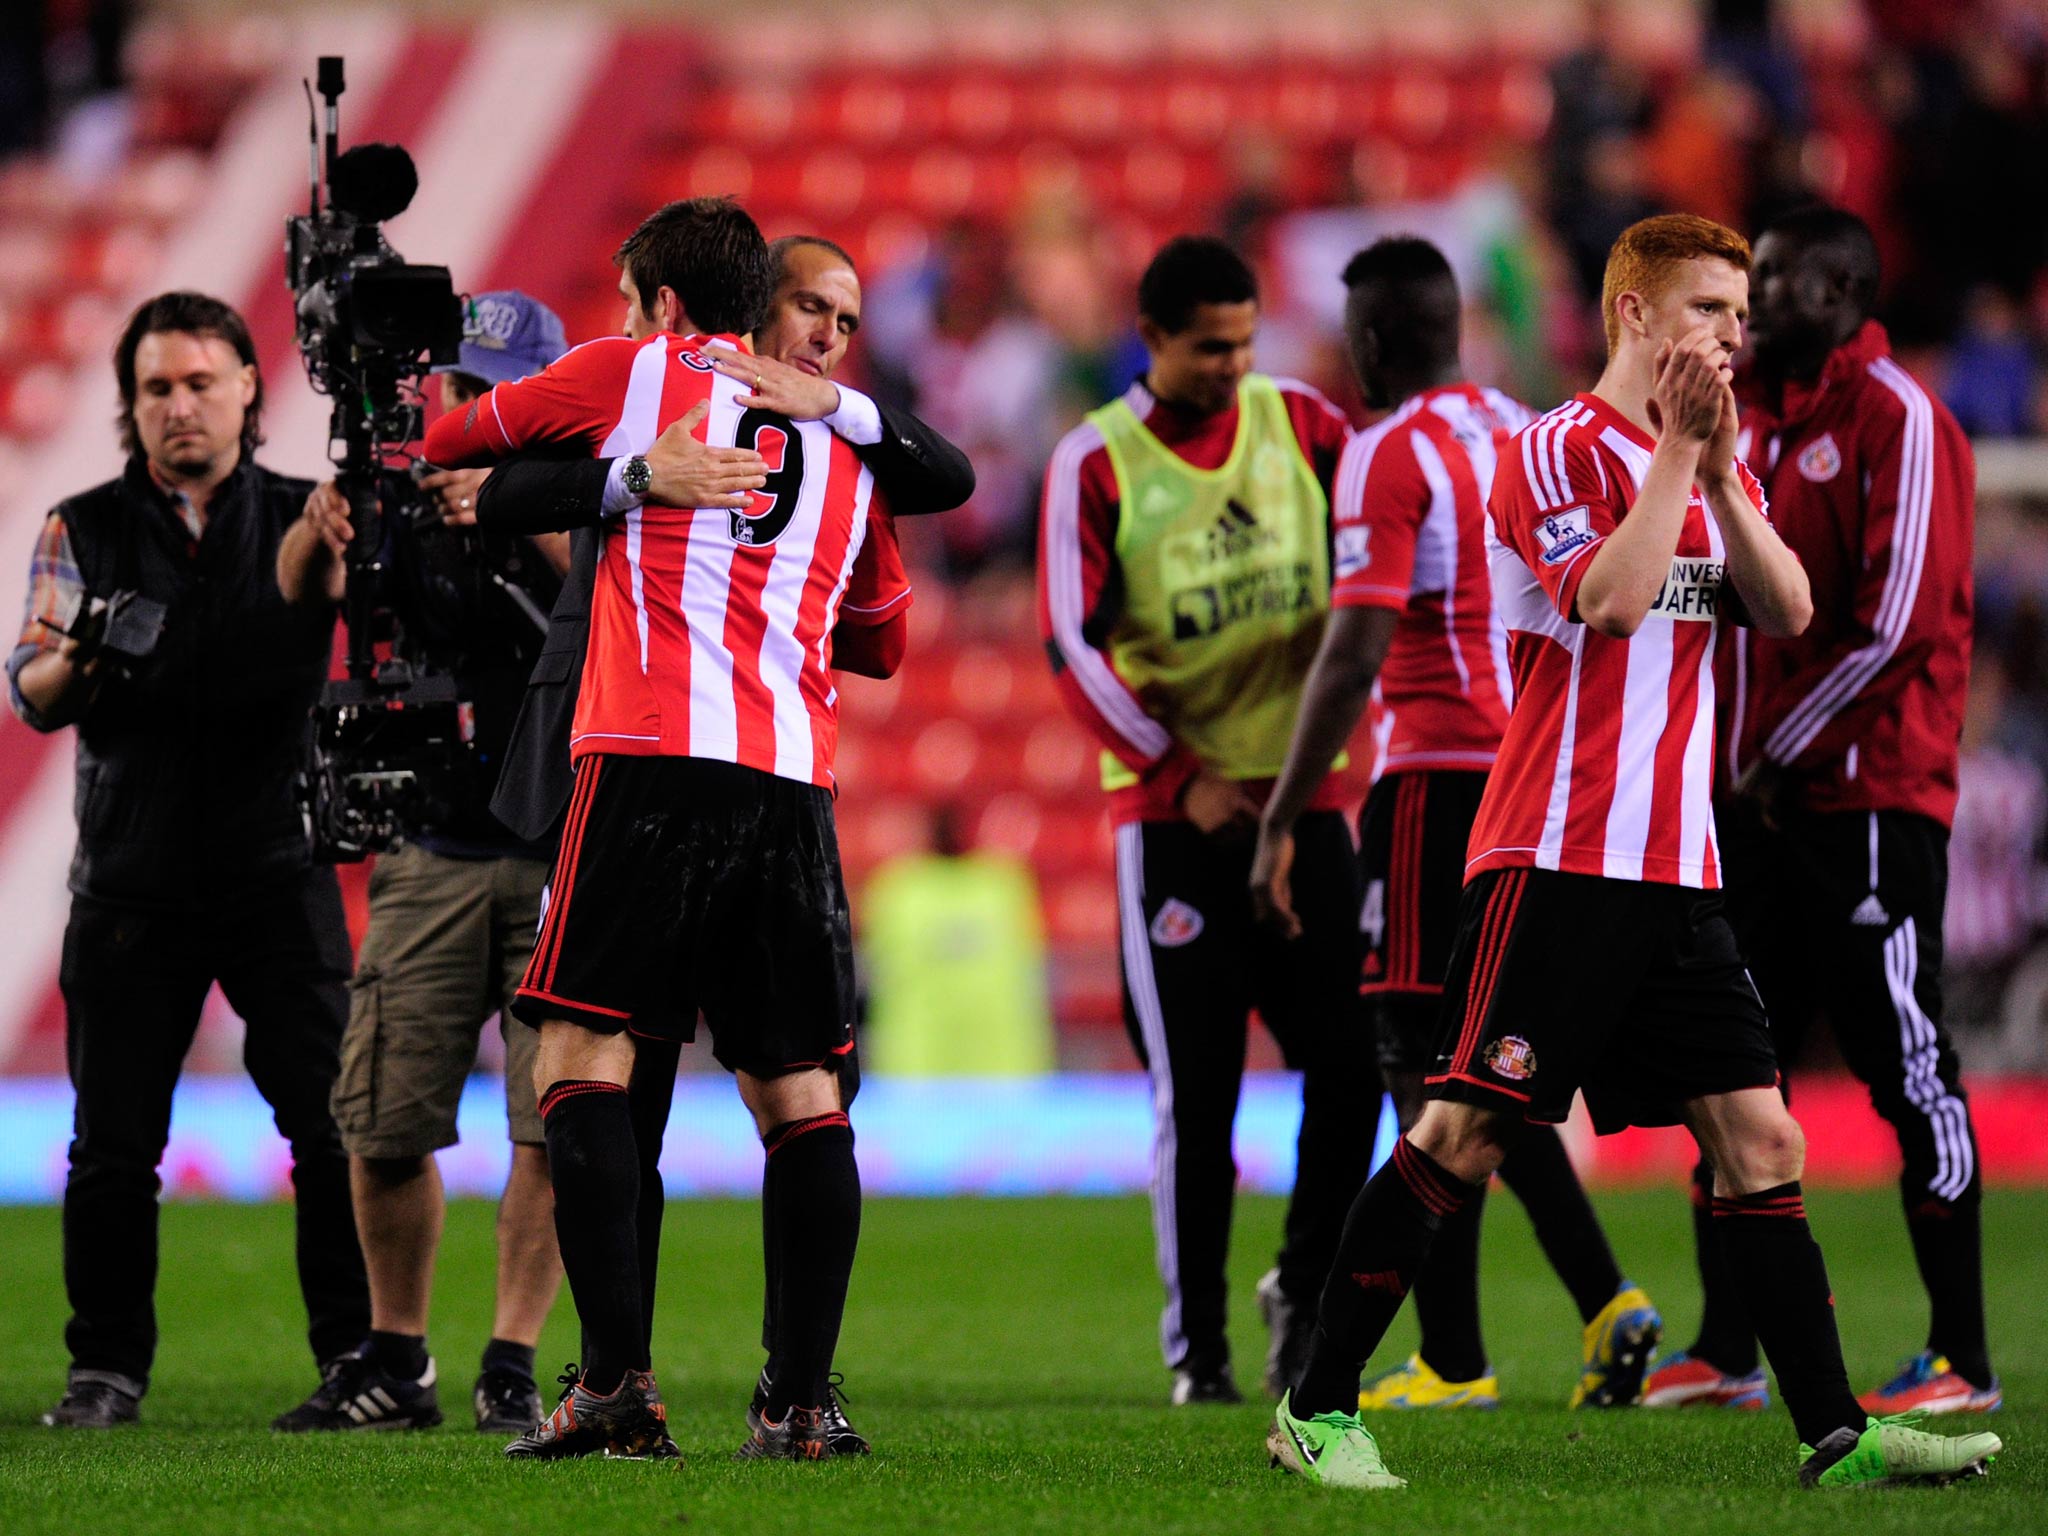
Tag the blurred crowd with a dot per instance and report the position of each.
(1929, 118)
(1933, 128)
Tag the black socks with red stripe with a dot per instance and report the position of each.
(595, 1170)
(1447, 1296)
(1726, 1341)
(1777, 1270)
(810, 1198)
(1540, 1173)
(1386, 1237)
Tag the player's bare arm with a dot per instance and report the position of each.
(1766, 574)
(1354, 646)
(1629, 568)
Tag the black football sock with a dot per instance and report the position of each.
(1447, 1296)
(1386, 1239)
(1777, 1267)
(1540, 1173)
(650, 1095)
(817, 1228)
(403, 1355)
(596, 1173)
(1726, 1340)
(511, 1359)
(1948, 1244)
(771, 1200)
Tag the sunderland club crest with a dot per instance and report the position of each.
(1820, 460)
(1513, 1058)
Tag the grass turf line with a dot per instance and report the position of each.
(1001, 1354)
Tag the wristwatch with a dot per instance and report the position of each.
(636, 476)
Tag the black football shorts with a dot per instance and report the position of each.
(1630, 990)
(1412, 834)
(684, 885)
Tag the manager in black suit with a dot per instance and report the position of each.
(810, 324)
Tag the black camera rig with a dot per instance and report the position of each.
(391, 740)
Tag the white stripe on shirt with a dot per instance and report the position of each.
(1911, 520)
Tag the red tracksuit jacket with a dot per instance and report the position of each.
(1872, 483)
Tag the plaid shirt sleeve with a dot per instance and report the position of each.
(53, 585)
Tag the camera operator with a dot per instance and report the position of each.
(453, 914)
(154, 625)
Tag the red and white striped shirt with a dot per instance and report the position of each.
(1608, 763)
(710, 631)
(1410, 519)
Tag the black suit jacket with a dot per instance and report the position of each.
(916, 469)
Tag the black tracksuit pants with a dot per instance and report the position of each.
(1195, 964)
(1840, 915)
(134, 981)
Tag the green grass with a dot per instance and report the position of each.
(1001, 1355)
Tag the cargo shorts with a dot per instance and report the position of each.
(447, 944)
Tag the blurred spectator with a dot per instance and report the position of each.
(955, 953)
(55, 55)
(24, 86)
(1992, 379)
(983, 373)
(1995, 852)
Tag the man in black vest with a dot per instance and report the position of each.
(191, 866)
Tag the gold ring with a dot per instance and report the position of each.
(757, 383)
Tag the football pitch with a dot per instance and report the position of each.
(1000, 1353)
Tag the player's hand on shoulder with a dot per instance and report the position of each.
(1219, 807)
(1271, 884)
(683, 471)
(774, 386)
(455, 493)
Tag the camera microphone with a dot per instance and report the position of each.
(373, 182)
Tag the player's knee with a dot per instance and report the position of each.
(1466, 1142)
(390, 1172)
(1771, 1152)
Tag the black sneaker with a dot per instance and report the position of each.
(841, 1438)
(506, 1402)
(799, 1437)
(1205, 1384)
(1289, 1328)
(355, 1394)
(94, 1402)
(630, 1423)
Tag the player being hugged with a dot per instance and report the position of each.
(698, 867)
(1592, 951)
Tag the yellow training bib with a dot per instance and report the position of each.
(1226, 576)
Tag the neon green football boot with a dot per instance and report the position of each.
(1615, 1351)
(1332, 1449)
(1892, 1453)
(1417, 1385)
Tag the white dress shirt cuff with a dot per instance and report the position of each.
(617, 498)
(858, 419)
